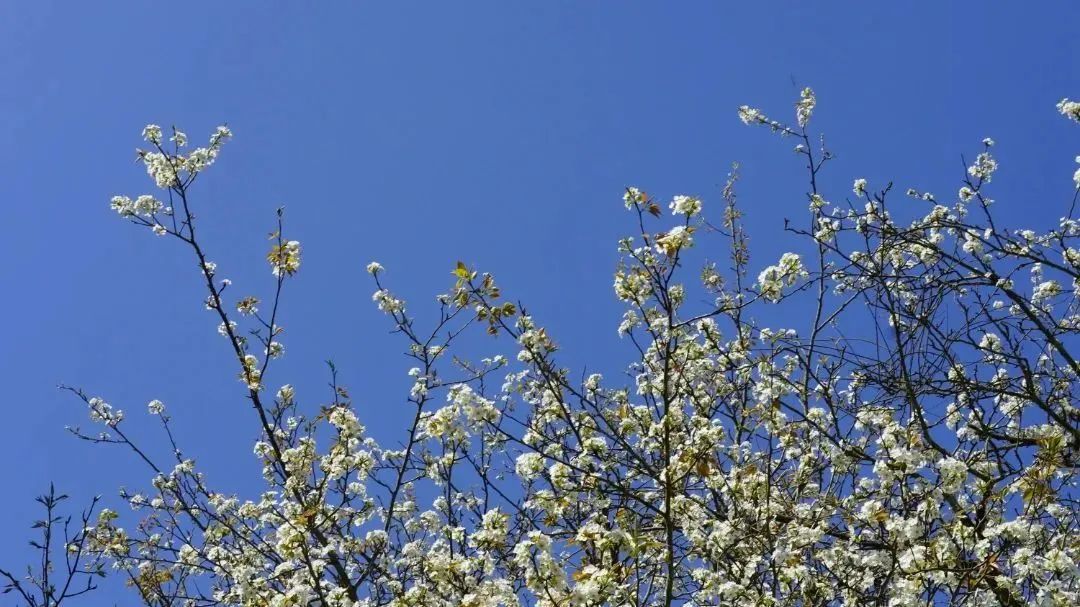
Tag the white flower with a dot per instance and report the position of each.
(493, 529)
(677, 238)
(199, 159)
(374, 268)
(275, 349)
(147, 205)
(284, 258)
(953, 473)
(262, 449)
(952, 416)
(529, 465)
(101, 411)
(152, 133)
(122, 205)
(285, 394)
(159, 229)
(221, 134)
(984, 167)
(155, 407)
(827, 229)
(750, 115)
(773, 278)
(859, 187)
(991, 346)
(1069, 109)
(387, 302)
(161, 168)
(973, 243)
(633, 196)
(685, 205)
(187, 555)
(805, 106)
(1045, 290)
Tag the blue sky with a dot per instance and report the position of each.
(418, 134)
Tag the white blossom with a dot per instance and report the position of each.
(772, 279)
(685, 205)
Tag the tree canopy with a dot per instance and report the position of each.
(907, 436)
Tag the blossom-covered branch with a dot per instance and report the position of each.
(908, 438)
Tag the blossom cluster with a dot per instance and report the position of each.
(911, 440)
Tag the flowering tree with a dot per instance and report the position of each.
(912, 440)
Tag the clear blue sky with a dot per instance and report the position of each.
(418, 134)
